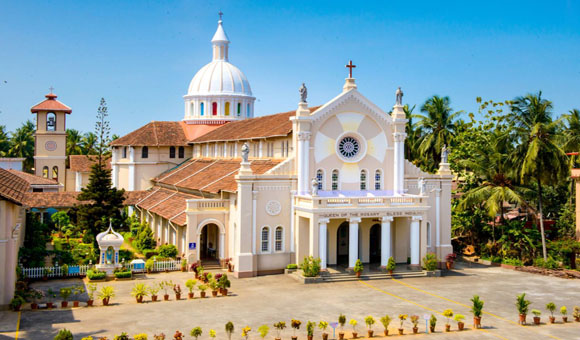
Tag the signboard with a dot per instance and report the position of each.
(191, 245)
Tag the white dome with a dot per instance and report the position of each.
(219, 77)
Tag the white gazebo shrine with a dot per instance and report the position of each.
(109, 243)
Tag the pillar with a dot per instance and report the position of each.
(415, 240)
(303, 166)
(254, 206)
(222, 245)
(399, 162)
(353, 241)
(437, 218)
(322, 242)
(386, 251)
(292, 222)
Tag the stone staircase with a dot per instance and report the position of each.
(342, 276)
(209, 265)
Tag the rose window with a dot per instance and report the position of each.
(348, 147)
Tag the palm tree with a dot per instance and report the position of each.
(4, 141)
(89, 143)
(413, 133)
(438, 126)
(538, 156)
(74, 141)
(22, 144)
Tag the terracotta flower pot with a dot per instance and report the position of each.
(49, 305)
(449, 265)
(432, 329)
(386, 332)
(370, 333)
(139, 299)
(340, 335)
(401, 331)
(477, 322)
(166, 297)
(294, 337)
(214, 293)
(577, 318)
(390, 272)
(89, 303)
(64, 304)
(415, 330)
(183, 269)
(324, 336)
(460, 325)
(75, 303)
(447, 328)
(34, 305)
(190, 295)
(358, 274)
(153, 298)
(177, 296)
(536, 320)
(552, 319)
(309, 337)
(564, 319)
(224, 292)
(106, 302)
(17, 308)
(202, 294)
(523, 319)
(354, 335)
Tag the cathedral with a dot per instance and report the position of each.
(327, 181)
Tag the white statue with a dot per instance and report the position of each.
(314, 187)
(444, 154)
(399, 97)
(422, 186)
(303, 93)
(245, 152)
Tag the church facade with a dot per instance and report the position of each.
(328, 181)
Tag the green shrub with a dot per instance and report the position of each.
(311, 266)
(550, 263)
(430, 262)
(292, 266)
(95, 274)
(149, 265)
(64, 334)
(168, 250)
(358, 266)
(141, 336)
(123, 274)
(144, 239)
(126, 254)
(123, 336)
(513, 262)
(391, 265)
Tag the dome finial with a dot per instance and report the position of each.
(220, 13)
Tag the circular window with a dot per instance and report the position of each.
(350, 147)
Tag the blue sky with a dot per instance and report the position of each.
(141, 55)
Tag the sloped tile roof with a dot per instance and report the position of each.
(154, 134)
(12, 187)
(260, 127)
(83, 163)
(33, 179)
(50, 104)
(67, 199)
(166, 203)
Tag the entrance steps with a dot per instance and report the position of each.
(211, 265)
(344, 277)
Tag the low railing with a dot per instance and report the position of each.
(171, 265)
(77, 271)
(198, 204)
(353, 202)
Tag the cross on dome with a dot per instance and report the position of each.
(220, 13)
(51, 89)
(350, 67)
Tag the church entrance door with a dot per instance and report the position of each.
(209, 242)
(342, 240)
(375, 244)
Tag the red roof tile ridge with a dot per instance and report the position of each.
(155, 132)
(149, 195)
(163, 200)
(181, 212)
(219, 179)
(195, 173)
(177, 168)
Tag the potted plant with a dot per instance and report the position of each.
(212, 334)
(537, 314)
(432, 323)
(449, 260)
(279, 328)
(178, 335)
(78, 290)
(459, 319)
(224, 283)
(213, 285)
(246, 332)
(576, 313)
(177, 291)
(91, 289)
(229, 329)
(402, 318)
(45, 273)
(415, 322)
(358, 268)
(323, 325)
(522, 305)
(310, 330)
(160, 336)
(105, 294)
(36, 295)
(139, 291)
(341, 322)
(64, 269)
(64, 292)
(551, 307)
(184, 265)
(196, 332)
(190, 284)
(477, 310)
(295, 324)
(123, 336)
(564, 312)
(154, 289)
(448, 313)
(386, 320)
(166, 286)
(370, 321)
(50, 296)
(263, 330)
(141, 336)
(203, 288)
(353, 323)
(16, 303)
(64, 334)
(391, 265)
(149, 266)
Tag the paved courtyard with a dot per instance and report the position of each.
(266, 300)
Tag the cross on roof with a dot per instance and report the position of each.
(350, 66)
(51, 88)
(220, 14)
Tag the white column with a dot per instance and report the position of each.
(399, 162)
(114, 176)
(386, 240)
(78, 181)
(261, 149)
(292, 222)
(303, 159)
(415, 240)
(254, 198)
(131, 169)
(222, 245)
(353, 241)
(323, 222)
(437, 218)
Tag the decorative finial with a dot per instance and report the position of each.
(51, 88)
(399, 96)
(220, 13)
(303, 93)
(350, 66)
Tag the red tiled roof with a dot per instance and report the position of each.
(211, 175)
(83, 163)
(33, 179)
(154, 134)
(167, 203)
(67, 199)
(261, 127)
(12, 187)
(50, 104)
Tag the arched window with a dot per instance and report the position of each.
(172, 152)
(320, 178)
(55, 173)
(145, 152)
(181, 152)
(428, 234)
(50, 121)
(247, 110)
(335, 179)
(227, 108)
(363, 180)
(265, 239)
(239, 109)
(45, 172)
(214, 108)
(378, 180)
(124, 152)
(201, 109)
(279, 238)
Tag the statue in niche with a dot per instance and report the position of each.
(303, 93)
(109, 255)
(245, 152)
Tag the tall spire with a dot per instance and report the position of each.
(220, 42)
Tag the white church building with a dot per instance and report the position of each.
(329, 181)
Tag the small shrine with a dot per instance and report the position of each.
(109, 244)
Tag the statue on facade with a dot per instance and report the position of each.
(303, 93)
(399, 97)
(314, 187)
(422, 186)
(245, 152)
(444, 154)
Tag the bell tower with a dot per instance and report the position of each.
(50, 138)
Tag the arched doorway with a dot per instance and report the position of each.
(342, 244)
(375, 244)
(209, 242)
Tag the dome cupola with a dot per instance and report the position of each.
(219, 92)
